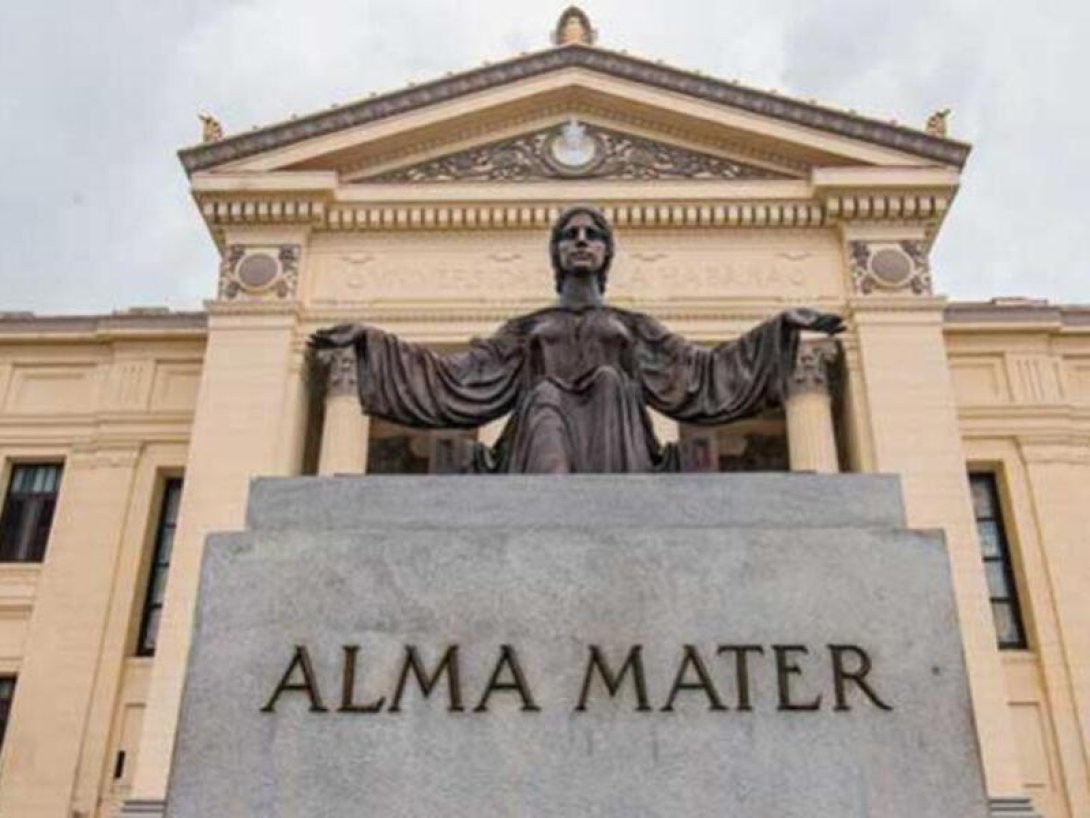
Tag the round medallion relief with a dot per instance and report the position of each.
(573, 151)
(891, 267)
(257, 271)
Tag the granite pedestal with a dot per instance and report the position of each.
(682, 646)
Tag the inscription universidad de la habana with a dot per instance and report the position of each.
(833, 677)
(576, 379)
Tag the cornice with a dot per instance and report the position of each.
(620, 66)
(22, 327)
(1013, 315)
(871, 205)
(255, 208)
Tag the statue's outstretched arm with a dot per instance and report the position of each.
(415, 386)
(732, 381)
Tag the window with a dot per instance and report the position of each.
(160, 566)
(28, 511)
(7, 693)
(997, 561)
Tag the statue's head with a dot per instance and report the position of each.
(581, 243)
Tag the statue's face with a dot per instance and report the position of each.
(582, 246)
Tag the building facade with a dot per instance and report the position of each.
(125, 439)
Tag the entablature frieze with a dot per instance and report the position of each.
(127, 427)
(1065, 449)
(755, 213)
(101, 454)
(773, 210)
(703, 321)
(897, 308)
(278, 311)
(1066, 425)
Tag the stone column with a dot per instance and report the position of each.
(344, 435)
(491, 431)
(811, 441)
(666, 429)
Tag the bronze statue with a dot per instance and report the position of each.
(579, 376)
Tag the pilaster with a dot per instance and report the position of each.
(250, 372)
(914, 432)
(1058, 472)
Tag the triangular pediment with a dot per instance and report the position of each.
(721, 129)
(574, 151)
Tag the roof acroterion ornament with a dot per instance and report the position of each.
(211, 129)
(573, 28)
(936, 123)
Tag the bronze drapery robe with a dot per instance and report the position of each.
(577, 384)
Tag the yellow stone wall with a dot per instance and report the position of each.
(1020, 375)
(112, 398)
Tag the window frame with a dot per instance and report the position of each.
(7, 704)
(1005, 557)
(156, 565)
(10, 474)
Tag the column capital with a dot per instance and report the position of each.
(341, 371)
(811, 372)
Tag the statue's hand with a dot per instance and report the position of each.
(804, 318)
(342, 335)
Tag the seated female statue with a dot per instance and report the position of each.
(578, 377)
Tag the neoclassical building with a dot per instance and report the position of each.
(126, 438)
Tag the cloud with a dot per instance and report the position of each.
(98, 97)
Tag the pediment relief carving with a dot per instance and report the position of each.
(575, 151)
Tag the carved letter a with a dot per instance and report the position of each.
(308, 685)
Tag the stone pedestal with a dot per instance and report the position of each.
(689, 645)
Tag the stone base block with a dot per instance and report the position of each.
(1012, 808)
(675, 646)
(143, 808)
